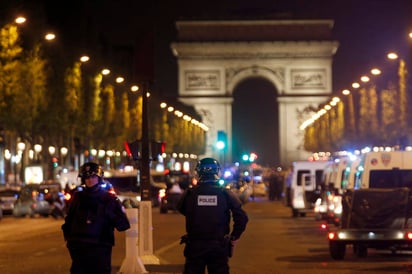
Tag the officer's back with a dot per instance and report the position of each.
(208, 209)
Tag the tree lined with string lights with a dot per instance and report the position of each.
(375, 115)
(56, 101)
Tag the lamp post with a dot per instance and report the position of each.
(2, 162)
(109, 155)
(37, 149)
(21, 146)
(52, 150)
(63, 153)
(7, 156)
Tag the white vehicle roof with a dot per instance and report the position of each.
(383, 160)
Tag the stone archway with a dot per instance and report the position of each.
(215, 56)
(255, 121)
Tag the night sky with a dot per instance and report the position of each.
(365, 29)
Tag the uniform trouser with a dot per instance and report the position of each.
(200, 255)
(90, 259)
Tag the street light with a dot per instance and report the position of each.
(20, 20)
(21, 146)
(52, 150)
(37, 149)
(63, 152)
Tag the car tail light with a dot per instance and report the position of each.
(323, 226)
(331, 235)
(409, 235)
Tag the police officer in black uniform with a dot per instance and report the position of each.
(89, 225)
(207, 208)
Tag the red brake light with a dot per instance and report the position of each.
(409, 235)
(331, 235)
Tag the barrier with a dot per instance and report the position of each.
(132, 263)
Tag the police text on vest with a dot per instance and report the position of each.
(207, 200)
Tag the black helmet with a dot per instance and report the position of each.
(90, 169)
(208, 169)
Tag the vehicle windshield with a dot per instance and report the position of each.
(390, 178)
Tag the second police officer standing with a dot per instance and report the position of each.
(208, 208)
(89, 225)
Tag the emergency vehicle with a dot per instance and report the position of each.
(377, 212)
(329, 205)
(305, 188)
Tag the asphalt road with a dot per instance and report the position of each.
(274, 243)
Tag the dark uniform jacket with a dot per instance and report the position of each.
(208, 208)
(92, 217)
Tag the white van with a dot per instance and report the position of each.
(376, 211)
(384, 169)
(336, 180)
(307, 180)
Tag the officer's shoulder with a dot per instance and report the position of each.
(109, 195)
(229, 193)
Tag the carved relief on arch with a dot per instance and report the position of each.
(235, 75)
(207, 115)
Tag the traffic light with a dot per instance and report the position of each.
(157, 148)
(249, 157)
(221, 139)
(245, 157)
(55, 162)
(133, 149)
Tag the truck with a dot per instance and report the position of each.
(377, 212)
(305, 188)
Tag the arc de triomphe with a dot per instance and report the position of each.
(215, 56)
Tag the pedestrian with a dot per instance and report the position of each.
(89, 225)
(208, 208)
(273, 185)
(280, 184)
(289, 179)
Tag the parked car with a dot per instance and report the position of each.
(127, 187)
(8, 197)
(259, 189)
(32, 200)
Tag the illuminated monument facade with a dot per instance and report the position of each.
(294, 55)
